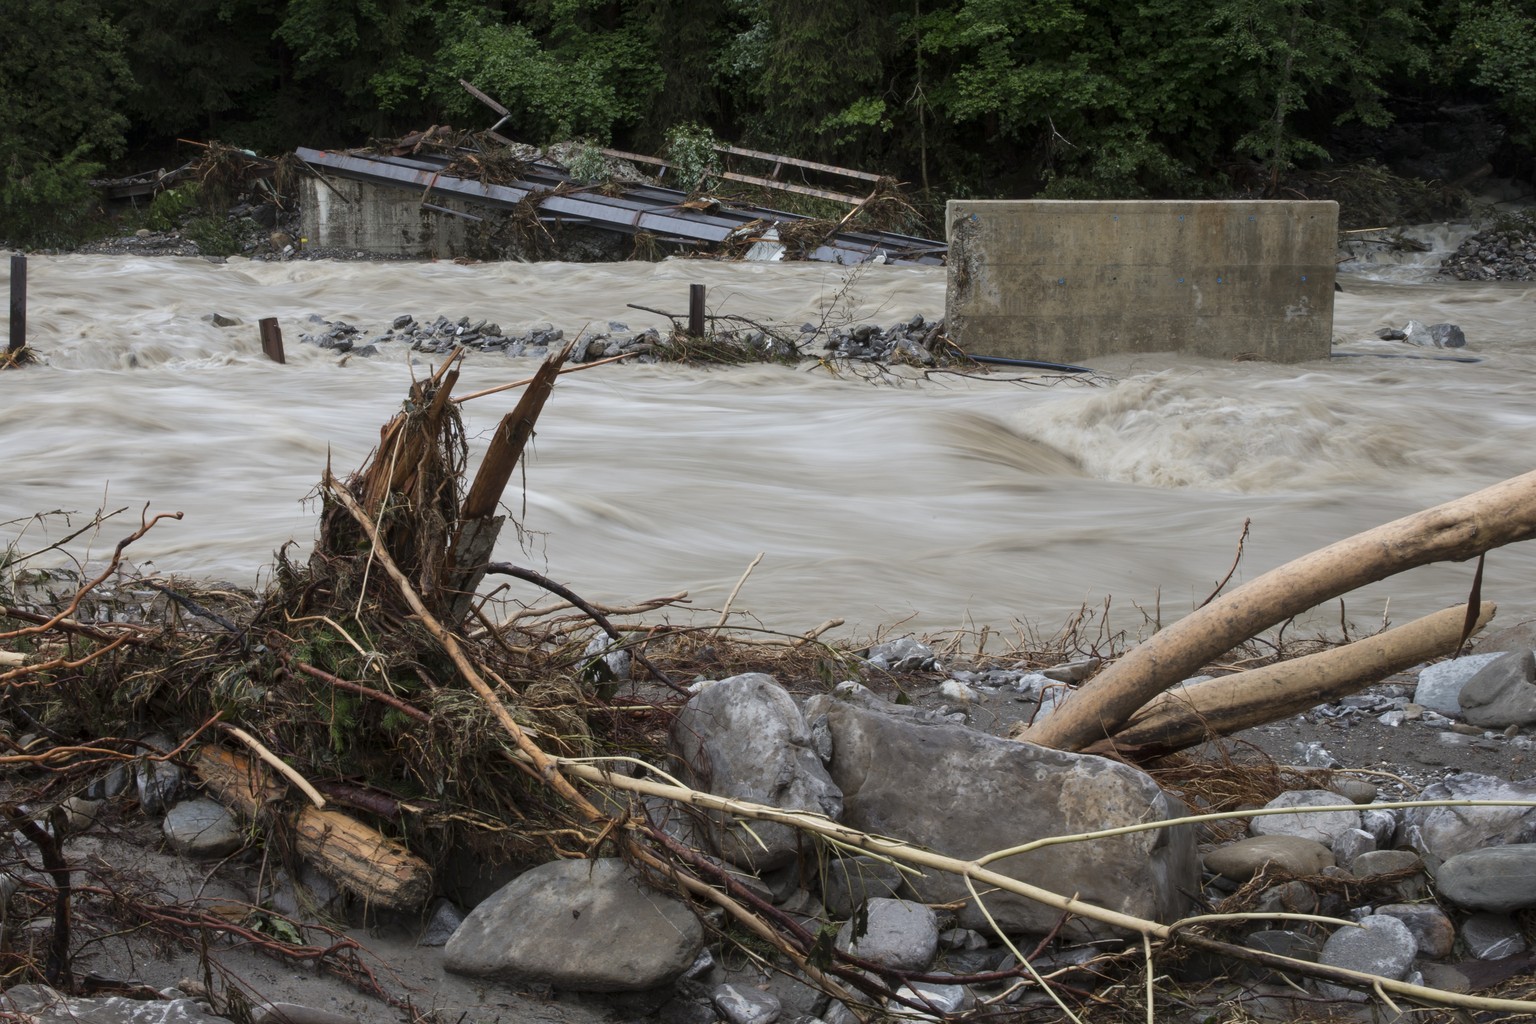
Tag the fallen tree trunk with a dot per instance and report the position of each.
(360, 859)
(1460, 529)
(1189, 715)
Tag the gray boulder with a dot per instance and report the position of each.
(202, 828)
(848, 882)
(1492, 936)
(966, 794)
(745, 738)
(739, 1004)
(899, 935)
(1502, 693)
(1439, 686)
(1447, 336)
(1432, 930)
(1245, 858)
(1381, 945)
(1440, 833)
(1320, 826)
(580, 925)
(39, 1004)
(1497, 878)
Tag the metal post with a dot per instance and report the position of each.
(18, 302)
(272, 339)
(696, 311)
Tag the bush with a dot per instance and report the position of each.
(50, 204)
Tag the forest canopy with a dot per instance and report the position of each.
(1061, 98)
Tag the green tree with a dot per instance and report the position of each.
(1283, 56)
(199, 66)
(1495, 41)
(573, 68)
(1099, 98)
(62, 75)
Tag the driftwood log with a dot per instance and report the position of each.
(1457, 530)
(1189, 715)
(355, 856)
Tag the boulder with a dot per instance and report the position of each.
(739, 1004)
(898, 934)
(745, 738)
(39, 1004)
(1432, 930)
(1320, 826)
(1440, 833)
(580, 925)
(1496, 878)
(1245, 858)
(1492, 936)
(1381, 945)
(1439, 686)
(848, 882)
(202, 828)
(965, 794)
(1350, 844)
(1502, 693)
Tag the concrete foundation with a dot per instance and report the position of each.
(1066, 281)
(342, 214)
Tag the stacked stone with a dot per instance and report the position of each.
(1504, 252)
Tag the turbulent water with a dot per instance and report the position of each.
(916, 504)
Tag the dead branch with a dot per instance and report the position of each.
(1468, 526)
(539, 579)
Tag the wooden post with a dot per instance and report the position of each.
(18, 302)
(696, 311)
(272, 339)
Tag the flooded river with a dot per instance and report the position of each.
(915, 504)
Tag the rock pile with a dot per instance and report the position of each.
(1433, 336)
(917, 341)
(1424, 889)
(1505, 251)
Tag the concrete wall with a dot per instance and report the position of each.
(1066, 281)
(343, 214)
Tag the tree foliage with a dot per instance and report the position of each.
(62, 77)
(979, 97)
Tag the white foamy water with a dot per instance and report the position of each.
(930, 505)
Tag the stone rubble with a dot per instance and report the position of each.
(1434, 886)
(917, 341)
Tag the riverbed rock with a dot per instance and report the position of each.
(1294, 855)
(1432, 929)
(1381, 945)
(39, 1004)
(1320, 826)
(1440, 833)
(1496, 878)
(739, 1004)
(579, 925)
(898, 934)
(1387, 862)
(965, 794)
(745, 738)
(1490, 936)
(202, 828)
(1502, 693)
(1447, 336)
(1439, 685)
(847, 883)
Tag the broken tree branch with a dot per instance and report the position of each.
(1189, 715)
(1460, 529)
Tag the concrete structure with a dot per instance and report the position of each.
(1067, 281)
(338, 213)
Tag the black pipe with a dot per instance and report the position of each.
(1037, 364)
(1406, 355)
